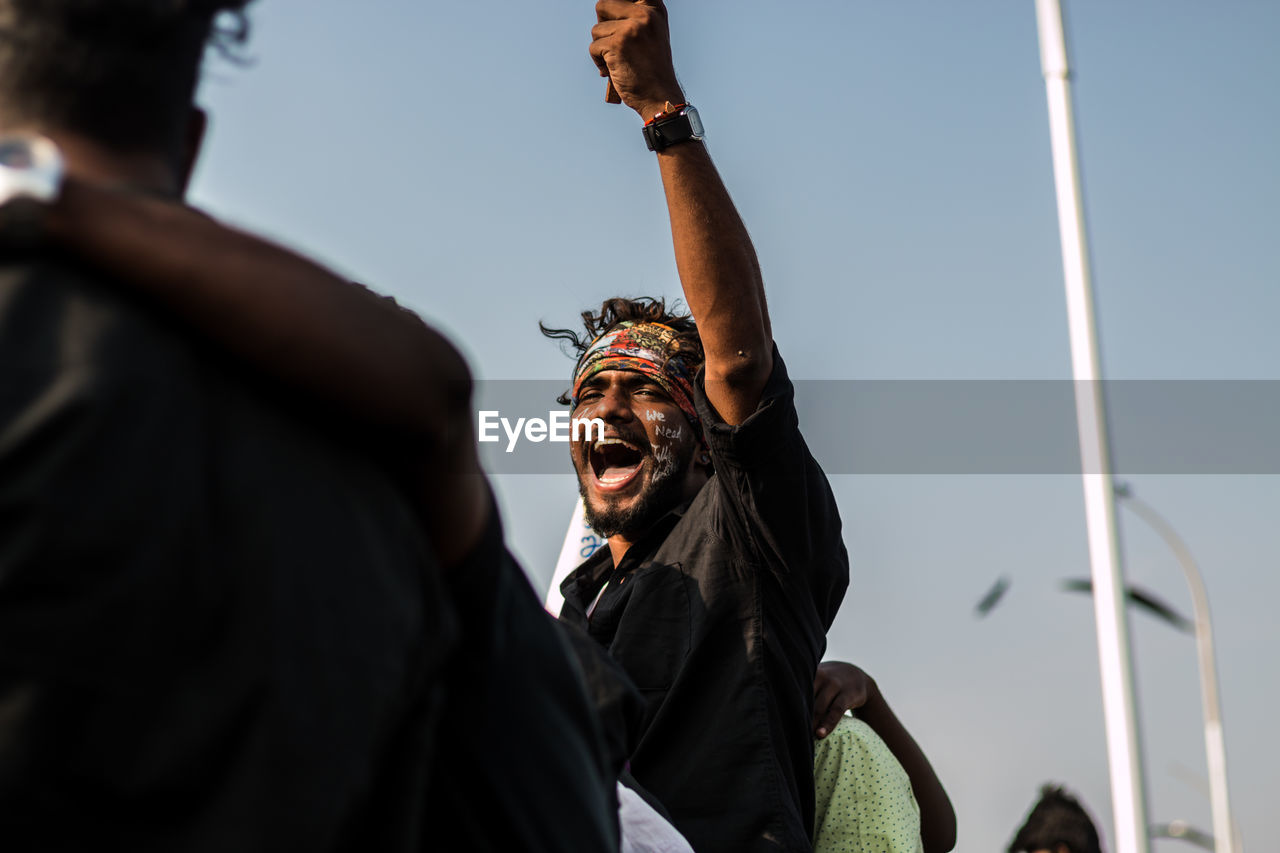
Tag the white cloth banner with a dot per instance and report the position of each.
(580, 542)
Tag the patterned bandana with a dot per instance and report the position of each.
(647, 348)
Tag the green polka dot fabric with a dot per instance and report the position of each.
(864, 799)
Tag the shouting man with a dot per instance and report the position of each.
(725, 565)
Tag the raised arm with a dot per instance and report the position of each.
(717, 263)
(333, 340)
(840, 687)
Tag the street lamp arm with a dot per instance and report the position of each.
(1215, 747)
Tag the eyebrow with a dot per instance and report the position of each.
(631, 381)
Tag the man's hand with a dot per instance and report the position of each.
(838, 687)
(631, 45)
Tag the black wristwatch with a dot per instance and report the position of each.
(666, 129)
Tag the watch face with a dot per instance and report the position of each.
(16, 153)
(695, 123)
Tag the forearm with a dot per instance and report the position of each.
(454, 499)
(937, 817)
(283, 314)
(377, 364)
(718, 271)
(631, 44)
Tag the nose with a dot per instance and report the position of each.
(613, 406)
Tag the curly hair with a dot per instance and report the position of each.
(121, 72)
(1057, 819)
(619, 309)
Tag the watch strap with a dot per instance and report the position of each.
(669, 128)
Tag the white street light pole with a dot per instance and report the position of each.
(1224, 837)
(1114, 656)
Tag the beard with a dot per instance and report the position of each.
(663, 493)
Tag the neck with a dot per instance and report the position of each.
(695, 478)
(145, 172)
(618, 547)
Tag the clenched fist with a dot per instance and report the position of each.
(631, 45)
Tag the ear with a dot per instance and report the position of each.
(197, 124)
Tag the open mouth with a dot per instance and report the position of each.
(615, 462)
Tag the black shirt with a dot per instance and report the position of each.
(220, 628)
(522, 763)
(719, 614)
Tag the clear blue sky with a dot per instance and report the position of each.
(892, 163)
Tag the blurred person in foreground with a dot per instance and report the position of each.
(251, 597)
(1057, 823)
(725, 565)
